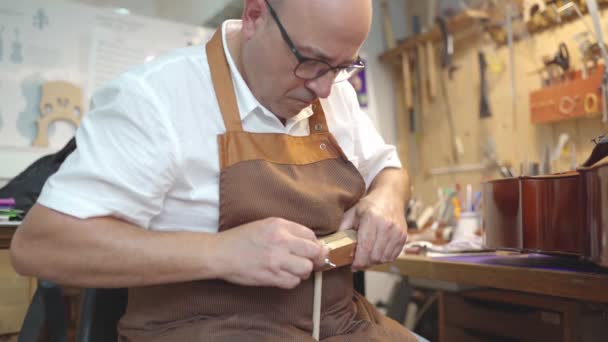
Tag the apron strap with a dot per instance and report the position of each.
(222, 83)
(317, 122)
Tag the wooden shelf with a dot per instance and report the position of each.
(455, 24)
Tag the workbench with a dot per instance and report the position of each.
(557, 276)
(511, 296)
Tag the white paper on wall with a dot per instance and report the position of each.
(86, 46)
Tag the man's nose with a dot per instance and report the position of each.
(322, 86)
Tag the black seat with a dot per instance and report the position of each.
(100, 311)
(46, 315)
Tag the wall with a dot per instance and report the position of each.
(516, 138)
(71, 58)
(149, 8)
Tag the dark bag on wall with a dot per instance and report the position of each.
(26, 187)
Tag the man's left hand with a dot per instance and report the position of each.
(382, 229)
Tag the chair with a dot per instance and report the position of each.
(100, 311)
(45, 313)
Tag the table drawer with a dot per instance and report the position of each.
(480, 317)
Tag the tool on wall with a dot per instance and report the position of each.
(422, 79)
(591, 53)
(430, 53)
(457, 146)
(555, 67)
(387, 26)
(449, 68)
(595, 16)
(407, 88)
(585, 45)
(431, 12)
(447, 58)
(561, 58)
(533, 7)
(484, 101)
(432, 72)
(558, 66)
(509, 21)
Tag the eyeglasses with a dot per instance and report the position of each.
(309, 68)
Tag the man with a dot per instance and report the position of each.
(202, 180)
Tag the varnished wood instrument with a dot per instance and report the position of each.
(563, 213)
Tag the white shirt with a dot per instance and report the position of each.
(147, 153)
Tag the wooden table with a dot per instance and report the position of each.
(15, 291)
(7, 230)
(533, 273)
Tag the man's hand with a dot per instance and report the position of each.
(270, 252)
(380, 220)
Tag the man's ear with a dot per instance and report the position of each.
(253, 15)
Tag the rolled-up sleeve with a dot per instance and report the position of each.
(372, 152)
(124, 162)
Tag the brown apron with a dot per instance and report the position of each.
(307, 180)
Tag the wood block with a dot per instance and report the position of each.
(341, 247)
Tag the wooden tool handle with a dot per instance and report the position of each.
(387, 25)
(407, 82)
(422, 80)
(432, 72)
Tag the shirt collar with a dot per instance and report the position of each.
(245, 99)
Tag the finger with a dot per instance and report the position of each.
(365, 244)
(403, 241)
(301, 231)
(297, 266)
(384, 233)
(397, 252)
(286, 280)
(312, 250)
(394, 245)
(349, 220)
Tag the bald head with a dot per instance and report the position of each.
(328, 31)
(341, 23)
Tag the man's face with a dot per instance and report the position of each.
(331, 31)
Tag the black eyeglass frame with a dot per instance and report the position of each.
(356, 66)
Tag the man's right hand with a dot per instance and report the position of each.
(270, 252)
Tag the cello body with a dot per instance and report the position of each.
(595, 183)
(563, 213)
(502, 214)
(535, 214)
